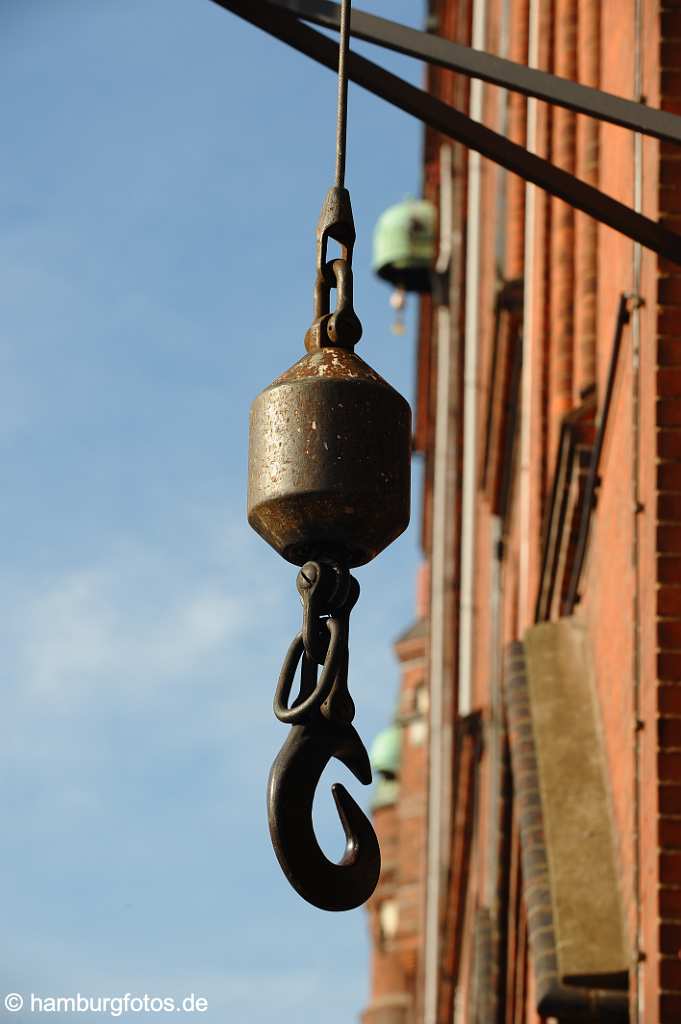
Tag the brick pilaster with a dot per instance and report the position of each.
(517, 132)
(586, 228)
(563, 233)
(668, 542)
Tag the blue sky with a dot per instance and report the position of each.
(162, 170)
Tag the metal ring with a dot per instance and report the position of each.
(312, 701)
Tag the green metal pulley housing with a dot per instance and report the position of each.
(386, 751)
(404, 245)
(330, 440)
(385, 755)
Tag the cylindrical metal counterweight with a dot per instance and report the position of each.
(329, 460)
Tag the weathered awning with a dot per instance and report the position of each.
(575, 920)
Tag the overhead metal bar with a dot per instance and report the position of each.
(477, 64)
(453, 123)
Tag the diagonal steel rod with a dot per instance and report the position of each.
(433, 49)
(462, 129)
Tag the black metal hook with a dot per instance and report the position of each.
(320, 718)
(290, 795)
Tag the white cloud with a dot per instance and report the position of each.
(91, 626)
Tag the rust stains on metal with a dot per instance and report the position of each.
(329, 460)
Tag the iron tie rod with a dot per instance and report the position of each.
(451, 122)
(541, 85)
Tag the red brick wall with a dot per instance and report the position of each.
(631, 583)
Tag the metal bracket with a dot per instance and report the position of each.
(593, 479)
(286, 26)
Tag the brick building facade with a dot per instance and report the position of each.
(532, 836)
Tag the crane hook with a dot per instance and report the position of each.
(290, 794)
(320, 718)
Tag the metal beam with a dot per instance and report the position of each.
(457, 126)
(477, 64)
